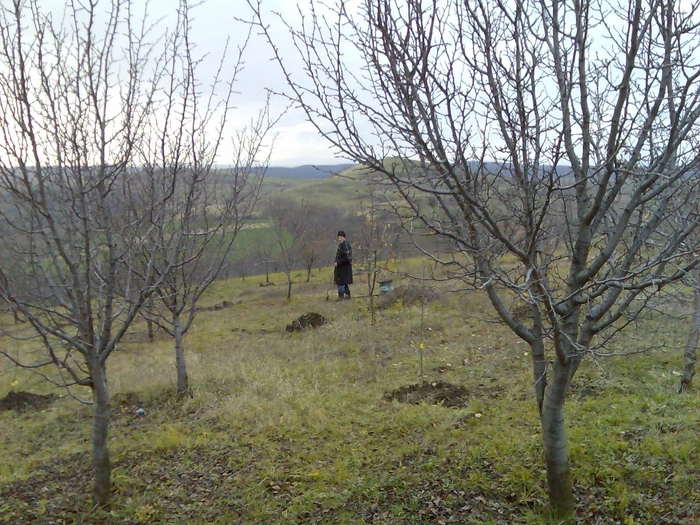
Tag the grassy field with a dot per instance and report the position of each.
(309, 427)
(336, 190)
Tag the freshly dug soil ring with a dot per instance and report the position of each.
(24, 401)
(436, 393)
(306, 321)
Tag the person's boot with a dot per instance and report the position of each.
(341, 296)
(347, 294)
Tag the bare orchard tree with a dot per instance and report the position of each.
(690, 354)
(205, 231)
(561, 134)
(376, 239)
(263, 248)
(315, 235)
(288, 218)
(209, 206)
(77, 99)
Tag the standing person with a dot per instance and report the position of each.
(342, 273)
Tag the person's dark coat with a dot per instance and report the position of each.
(343, 260)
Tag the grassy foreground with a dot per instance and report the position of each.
(297, 428)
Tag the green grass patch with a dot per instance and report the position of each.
(298, 428)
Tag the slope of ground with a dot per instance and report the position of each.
(310, 427)
(307, 171)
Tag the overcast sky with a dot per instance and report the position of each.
(296, 140)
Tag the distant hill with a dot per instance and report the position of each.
(307, 171)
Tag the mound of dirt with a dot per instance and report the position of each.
(409, 295)
(308, 320)
(126, 402)
(436, 393)
(24, 401)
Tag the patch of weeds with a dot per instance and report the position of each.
(378, 348)
(171, 437)
(584, 388)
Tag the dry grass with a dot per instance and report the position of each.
(295, 428)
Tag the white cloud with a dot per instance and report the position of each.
(213, 21)
(297, 142)
(300, 143)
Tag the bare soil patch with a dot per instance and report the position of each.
(25, 401)
(306, 321)
(127, 402)
(436, 393)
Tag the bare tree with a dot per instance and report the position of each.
(376, 240)
(78, 100)
(563, 134)
(314, 234)
(690, 355)
(263, 247)
(210, 206)
(288, 217)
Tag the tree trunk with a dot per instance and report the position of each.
(149, 321)
(101, 469)
(561, 496)
(151, 334)
(370, 289)
(539, 372)
(691, 346)
(308, 273)
(180, 364)
(539, 363)
(289, 286)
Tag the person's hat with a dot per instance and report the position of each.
(341, 233)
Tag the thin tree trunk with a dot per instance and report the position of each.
(180, 364)
(151, 334)
(308, 273)
(539, 372)
(370, 289)
(101, 469)
(149, 321)
(691, 346)
(289, 286)
(555, 445)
